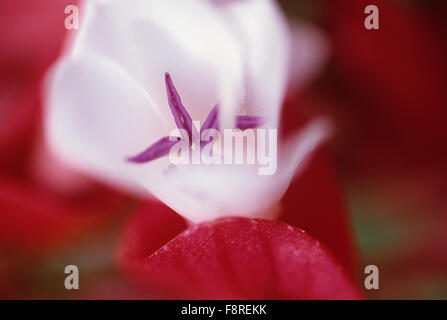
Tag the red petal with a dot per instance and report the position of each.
(236, 258)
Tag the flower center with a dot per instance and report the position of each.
(187, 129)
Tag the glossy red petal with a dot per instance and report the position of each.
(239, 258)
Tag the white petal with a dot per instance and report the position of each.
(97, 116)
(207, 192)
(264, 37)
(188, 39)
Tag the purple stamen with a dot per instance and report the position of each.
(157, 150)
(183, 121)
(181, 115)
(212, 121)
(249, 122)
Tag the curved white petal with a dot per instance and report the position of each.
(97, 116)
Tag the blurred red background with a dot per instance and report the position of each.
(384, 89)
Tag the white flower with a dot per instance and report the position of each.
(106, 97)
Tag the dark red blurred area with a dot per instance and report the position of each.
(35, 214)
(32, 39)
(392, 100)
